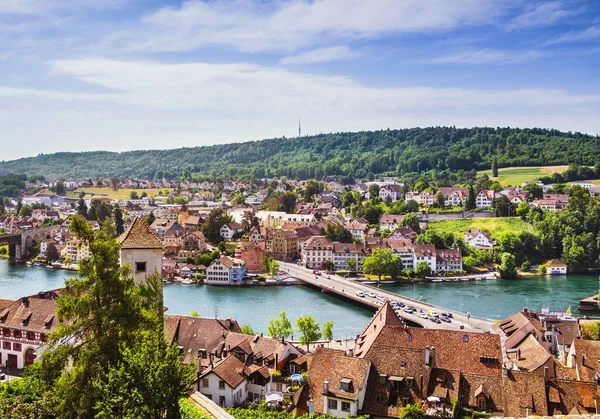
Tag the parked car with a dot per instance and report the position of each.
(445, 319)
(423, 315)
(447, 314)
(372, 294)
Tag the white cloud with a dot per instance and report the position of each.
(591, 33)
(154, 105)
(541, 14)
(38, 7)
(252, 26)
(321, 55)
(484, 56)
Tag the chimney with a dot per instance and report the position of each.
(325, 387)
(427, 355)
(525, 310)
(432, 355)
(504, 371)
(26, 301)
(261, 335)
(545, 373)
(583, 360)
(283, 340)
(518, 354)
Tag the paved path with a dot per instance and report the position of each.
(347, 288)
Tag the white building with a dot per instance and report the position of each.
(225, 383)
(229, 230)
(342, 252)
(393, 192)
(484, 198)
(425, 253)
(479, 239)
(226, 271)
(316, 250)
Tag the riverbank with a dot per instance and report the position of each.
(251, 283)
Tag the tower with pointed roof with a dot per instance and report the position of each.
(141, 249)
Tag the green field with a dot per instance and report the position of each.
(110, 193)
(496, 226)
(515, 176)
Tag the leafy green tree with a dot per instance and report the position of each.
(351, 262)
(337, 233)
(52, 252)
(508, 266)
(522, 209)
(468, 263)
(273, 268)
(150, 218)
(373, 192)
(280, 327)
(412, 221)
(327, 265)
(194, 313)
(60, 188)
(249, 220)
(412, 411)
(247, 330)
(212, 227)
(82, 208)
(287, 201)
(495, 167)
(328, 331)
(422, 270)
(378, 263)
(471, 203)
(118, 215)
(309, 329)
(238, 199)
(133, 195)
(267, 260)
(25, 211)
(439, 201)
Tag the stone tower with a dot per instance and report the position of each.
(141, 249)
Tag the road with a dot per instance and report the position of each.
(348, 288)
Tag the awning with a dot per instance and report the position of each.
(396, 378)
(274, 398)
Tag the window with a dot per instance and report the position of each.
(31, 335)
(222, 401)
(378, 398)
(409, 381)
(6, 332)
(345, 407)
(17, 347)
(5, 345)
(404, 401)
(204, 382)
(481, 404)
(221, 384)
(17, 333)
(332, 404)
(140, 266)
(465, 338)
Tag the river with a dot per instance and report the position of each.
(495, 299)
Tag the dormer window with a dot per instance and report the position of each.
(346, 384)
(409, 381)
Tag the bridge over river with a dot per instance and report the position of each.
(20, 243)
(347, 289)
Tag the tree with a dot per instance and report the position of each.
(144, 194)
(373, 192)
(267, 260)
(52, 253)
(60, 188)
(508, 266)
(439, 200)
(378, 263)
(412, 411)
(412, 221)
(82, 208)
(351, 262)
(212, 227)
(273, 268)
(150, 218)
(118, 215)
(148, 381)
(522, 209)
(238, 199)
(249, 220)
(471, 203)
(337, 233)
(194, 313)
(310, 330)
(120, 365)
(327, 265)
(280, 327)
(468, 263)
(247, 330)
(495, 167)
(328, 331)
(133, 195)
(423, 269)
(287, 200)
(25, 211)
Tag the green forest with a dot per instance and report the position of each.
(341, 155)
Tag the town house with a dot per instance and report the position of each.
(425, 253)
(484, 198)
(393, 192)
(342, 252)
(252, 253)
(226, 271)
(455, 196)
(318, 249)
(478, 239)
(229, 230)
(284, 246)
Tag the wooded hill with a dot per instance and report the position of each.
(355, 154)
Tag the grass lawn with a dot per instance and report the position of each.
(515, 176)
(496, 226)
(110, 193)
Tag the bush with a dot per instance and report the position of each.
(188, 410)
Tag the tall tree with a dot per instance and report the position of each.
(310, 330)
(82, 208)
(471, 203)
(280, 327)
(118, 215)
(495, 167)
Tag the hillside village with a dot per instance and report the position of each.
(285, 220)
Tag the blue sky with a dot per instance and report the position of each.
(80, 75)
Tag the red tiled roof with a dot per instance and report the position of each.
(139, 236)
